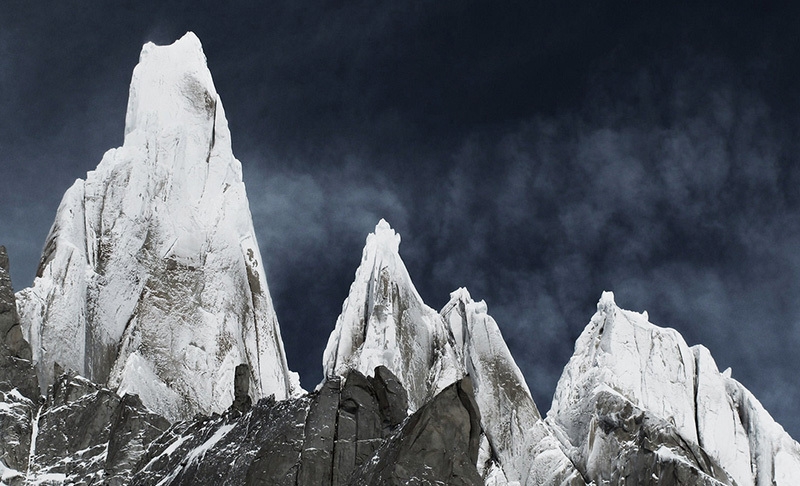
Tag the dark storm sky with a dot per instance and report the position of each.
(537, 153)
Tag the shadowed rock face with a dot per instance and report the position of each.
(646, 450)
(16, 419)
(321, 438)
(437, 445)
(241, 386)
(19, 388)
(88, 433)
(351, 432)
(10, 331)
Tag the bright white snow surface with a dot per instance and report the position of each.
(524, 445)
(151, 269)
(653, 367)
(385, 322)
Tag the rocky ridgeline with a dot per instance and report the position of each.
(151, 296)
(349, 432)
(635, 405)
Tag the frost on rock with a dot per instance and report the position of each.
(527, 451)
(635, 401)
(152, 262)
(385, 322)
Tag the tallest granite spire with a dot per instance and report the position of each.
(151, 280)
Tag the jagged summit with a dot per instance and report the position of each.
(170, 86)
(151, 280)
(385, 322)
(630, 379)
(384, 239)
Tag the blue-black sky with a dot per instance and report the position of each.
(536, 152)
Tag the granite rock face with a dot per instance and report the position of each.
(439, 444)
(15, 352)
(352, 431)
(318, 439)
(17, 414)
(19, 388)
(86, 434)
(8, 303)
(12, 342)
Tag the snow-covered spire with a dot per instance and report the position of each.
(152, 281)
(522, 443)
(627, 374)
(385, 322)
(384, 239)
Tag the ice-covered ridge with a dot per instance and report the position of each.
(152, 278)
(524, 445)
(385, 322)
(623, 358)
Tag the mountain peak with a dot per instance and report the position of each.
(627, 370)
(385, 322)
(383, 239)
(152, 280)
(171, 90)
(606, 302)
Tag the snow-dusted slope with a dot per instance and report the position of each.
(634, 399)
(525, 448)
(385, 322)
(151, 280)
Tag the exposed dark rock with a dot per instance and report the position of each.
(8, 305)
(10, 330)
(241, 388)
(316, 460)
(262, 446)
(133, 428)
(89, 434)
(392, 397)
(278, 460)
(319, 439)
(16, 419)
(437, 445)
(12, 342)
(20, 374)
(349, 432)
(647, 449)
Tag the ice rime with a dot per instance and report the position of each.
(151, 278)
(385, 322)
(524, 445)
(623, 364)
